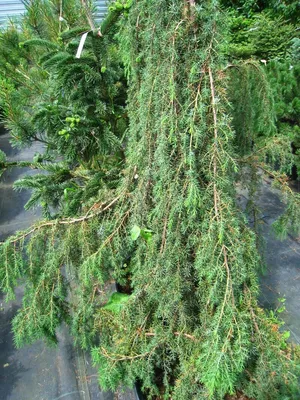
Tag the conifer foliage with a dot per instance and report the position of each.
(75, 106)
(186, 324)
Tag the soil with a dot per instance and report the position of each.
(238, 397)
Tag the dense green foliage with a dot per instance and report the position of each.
(152, 207)
(284, 79)
(271, 37)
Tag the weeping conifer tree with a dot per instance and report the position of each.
(187, 325)
(193, 319)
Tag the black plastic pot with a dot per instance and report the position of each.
(138, 392)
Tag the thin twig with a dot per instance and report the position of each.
(68, 221)
(213, 102)
(227, 285)
(163, 241)
(119, 357)
(88, 15)
(186, 335)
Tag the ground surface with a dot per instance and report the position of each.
(282, 275)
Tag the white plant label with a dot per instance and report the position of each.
(81, 44)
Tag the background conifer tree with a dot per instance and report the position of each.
(267, 32)
(75, 106)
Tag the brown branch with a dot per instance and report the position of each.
(282, 179)
(254, 320)
(68, 221)
(231, 66)
(121, 357)
(23, 164)
(163, 241)
(88, 14)
(253, 316)
(213, 102)
(187, 10)
(40, 140)
(186, 335)
(109, 238)
(227, 284)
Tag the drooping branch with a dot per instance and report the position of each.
(189, 5)
(180, 334)
(88, 14)
(68, 221)
(213, 104)
(22, 164)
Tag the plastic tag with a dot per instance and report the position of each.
(81, 44)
